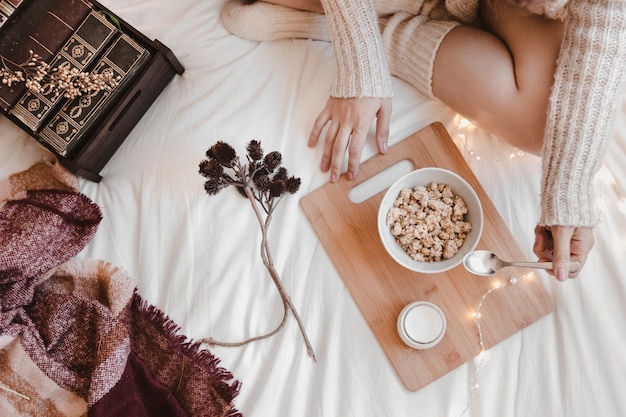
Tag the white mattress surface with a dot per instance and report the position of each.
(197, 257)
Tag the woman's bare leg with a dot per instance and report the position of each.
(500, 78)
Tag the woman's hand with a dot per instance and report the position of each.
(560, 244)
(349, 121)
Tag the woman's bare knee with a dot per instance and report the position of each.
(501, 77)
(524, 130)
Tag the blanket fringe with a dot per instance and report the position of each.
(234, 413)
(191, 349)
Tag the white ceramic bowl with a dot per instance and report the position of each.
(426, 176)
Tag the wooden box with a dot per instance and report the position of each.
(109, 124)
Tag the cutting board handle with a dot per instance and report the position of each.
(379, 163)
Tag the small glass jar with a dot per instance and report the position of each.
(421, 325)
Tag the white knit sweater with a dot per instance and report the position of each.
(588, 86)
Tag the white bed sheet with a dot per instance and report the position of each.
(197, 257)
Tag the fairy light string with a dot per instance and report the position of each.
(477, 315)
(463, 129)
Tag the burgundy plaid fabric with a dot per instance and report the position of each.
(77, 339)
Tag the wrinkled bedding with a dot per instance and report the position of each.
(196, 257)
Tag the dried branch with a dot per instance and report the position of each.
(39, 77)
(263, 181)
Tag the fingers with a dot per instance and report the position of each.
(334, 150)
(562, 237)
(582, 243)
(383, 119)
(327, 154)
(334, 144)
(357, 142)
(540, 246)
(348, 122)
(562, 245)
(318, 126)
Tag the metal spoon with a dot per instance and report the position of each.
(483, 262)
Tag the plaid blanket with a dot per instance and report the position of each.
(77, 339)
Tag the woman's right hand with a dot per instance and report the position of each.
(562, 244)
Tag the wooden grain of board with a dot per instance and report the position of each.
(381, 287)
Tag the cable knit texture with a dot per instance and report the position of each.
(411, 43)
(588, 83)
(589, 79)
(465, 11)
(361, 66)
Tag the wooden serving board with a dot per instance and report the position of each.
(381, 287)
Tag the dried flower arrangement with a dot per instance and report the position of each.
(38, 76)
(263, 181)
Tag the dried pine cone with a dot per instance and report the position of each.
(272, 160)
(223, 153)
(255, 152)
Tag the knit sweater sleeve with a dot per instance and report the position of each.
(588, 86)
(361, 68)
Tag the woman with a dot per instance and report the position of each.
(545, 75)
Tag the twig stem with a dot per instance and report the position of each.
(269, 265)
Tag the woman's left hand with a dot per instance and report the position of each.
(349, 121)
